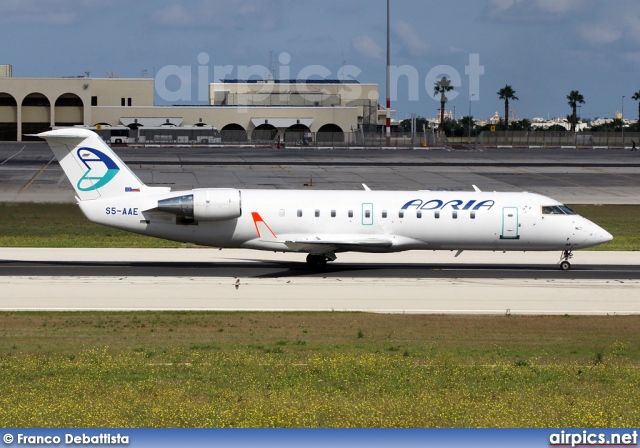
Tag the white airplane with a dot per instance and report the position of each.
(319, 223)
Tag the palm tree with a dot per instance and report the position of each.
(507, 93)
(574, 98)
(521, 125)
(467, 123)
(636, 96)
(441, 87)
(617, 124)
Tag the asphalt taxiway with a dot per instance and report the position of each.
(28, 172)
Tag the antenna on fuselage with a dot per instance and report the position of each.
(477, 189)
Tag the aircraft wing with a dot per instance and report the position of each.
(321, 244)
(315, 245)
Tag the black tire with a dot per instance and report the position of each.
(565, 265)
(316, 261)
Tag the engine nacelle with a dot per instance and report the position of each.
(210, 204)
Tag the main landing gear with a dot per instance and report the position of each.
(564, 260)
(317, 261)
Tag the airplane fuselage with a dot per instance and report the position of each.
(431, 220)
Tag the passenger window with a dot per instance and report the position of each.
(473, 215)
(299, 213)
(333, 213)
(350, 213)
(401, 214)
(384, 213)
(317, 213)
(419, 214)
(367, 213)
(455, 214)
(436, 214)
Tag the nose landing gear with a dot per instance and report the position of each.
(564, 260)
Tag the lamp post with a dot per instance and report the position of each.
(469, 117)
(622, 121)
(577, 118)
(388, 74)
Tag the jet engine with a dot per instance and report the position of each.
(211, 204)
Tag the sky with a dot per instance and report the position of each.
(542, 48)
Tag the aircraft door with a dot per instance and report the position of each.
(510, 223)
(367, 214)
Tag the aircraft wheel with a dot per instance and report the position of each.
(565, 265)
(316, 261)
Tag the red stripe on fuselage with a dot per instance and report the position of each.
(256, 219)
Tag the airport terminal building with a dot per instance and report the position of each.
(242, 110)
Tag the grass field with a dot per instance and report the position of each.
(195, 369)
(63, 225)
(621, 221)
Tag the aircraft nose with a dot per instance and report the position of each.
(590, 234)
(599, 236)
(603, 236)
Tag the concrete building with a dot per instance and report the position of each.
(325, 108)
(289, 110)
(32, 105)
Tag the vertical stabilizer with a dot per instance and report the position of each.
(93, 169)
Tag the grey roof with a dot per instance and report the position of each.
(290, 81)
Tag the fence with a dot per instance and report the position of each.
(398, 140)
(234, 137)
(557, 138)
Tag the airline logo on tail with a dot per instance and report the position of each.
(101, 169)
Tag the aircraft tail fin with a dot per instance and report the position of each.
(92, 167)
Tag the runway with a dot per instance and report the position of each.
(411, 282)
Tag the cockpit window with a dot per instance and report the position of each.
(567, 210)
(552, 210)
